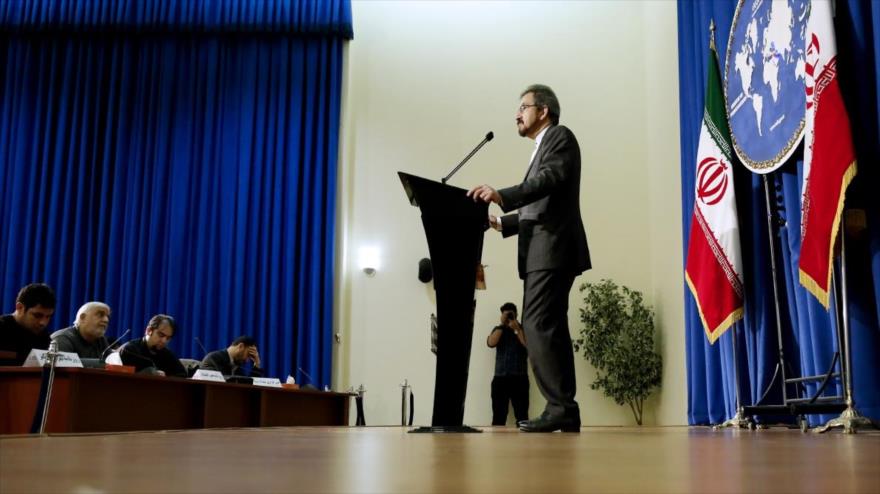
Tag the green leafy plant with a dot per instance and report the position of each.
(617, 338)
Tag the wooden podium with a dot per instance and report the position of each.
(454, 226)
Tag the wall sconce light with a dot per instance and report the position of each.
(368, 260)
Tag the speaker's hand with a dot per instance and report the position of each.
(485, 193)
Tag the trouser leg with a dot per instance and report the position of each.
(545, 321)
(499, 401)
(519, 396)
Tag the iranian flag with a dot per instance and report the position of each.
(829, 158)
(714, 266)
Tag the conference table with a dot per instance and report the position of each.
(97, 400)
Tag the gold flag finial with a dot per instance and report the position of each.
(712, 34)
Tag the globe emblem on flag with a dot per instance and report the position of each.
(764, 81)
(712, 181)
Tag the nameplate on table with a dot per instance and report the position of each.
(270, 382)
(39, 358)
(208, 375)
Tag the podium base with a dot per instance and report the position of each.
(444, 428)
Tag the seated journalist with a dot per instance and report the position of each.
(231, 361)
(25, 328)
(149, 354)
(86, 337)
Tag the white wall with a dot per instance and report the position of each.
(424, 83)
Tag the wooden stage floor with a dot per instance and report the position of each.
(388, 460)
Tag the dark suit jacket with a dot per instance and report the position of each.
(551, 232)
(137, 354)
(71, 340)
(220, 361)
(19, 340)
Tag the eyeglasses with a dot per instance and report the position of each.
(523, 108)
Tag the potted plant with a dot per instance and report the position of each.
(617, 338)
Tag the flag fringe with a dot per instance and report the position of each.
(716, 332)
(806, 280)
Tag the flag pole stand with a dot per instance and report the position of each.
(739, 420)
(850, 420)
(797, 406)
(779, 370)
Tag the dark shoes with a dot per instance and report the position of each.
(550, 423)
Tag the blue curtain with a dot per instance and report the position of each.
(808, 329)
(161, 158)
(325, 17)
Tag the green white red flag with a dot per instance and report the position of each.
(714, 263)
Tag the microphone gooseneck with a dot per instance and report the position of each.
(488, 138)
(311, 381)
(110, 346)
(202, 347)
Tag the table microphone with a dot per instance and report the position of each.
(311, 381)
(110, 346)
(488, 138)
(199, 343)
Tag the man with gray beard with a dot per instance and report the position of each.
(86, 337)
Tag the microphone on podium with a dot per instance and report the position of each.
(488, 138)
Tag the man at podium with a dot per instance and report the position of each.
(552, 250)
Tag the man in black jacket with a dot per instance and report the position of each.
(552, 250)
(25, 329)
(149, 354)
(230, 361)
